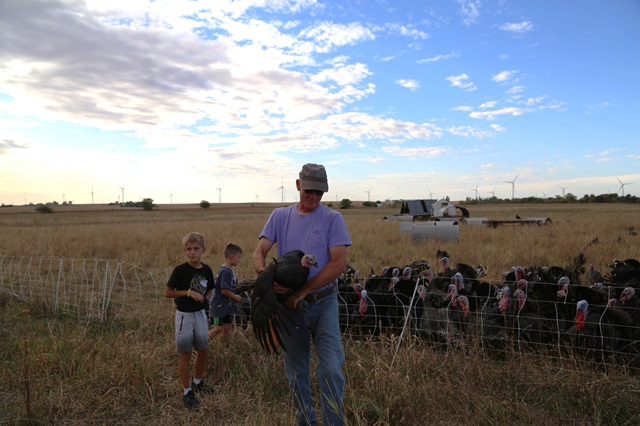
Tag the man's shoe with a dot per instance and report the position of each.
(202, 388)
(189, 400)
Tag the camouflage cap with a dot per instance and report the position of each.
(314, 176)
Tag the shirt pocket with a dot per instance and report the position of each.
(318, 239)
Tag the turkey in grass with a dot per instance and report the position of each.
(268, 315)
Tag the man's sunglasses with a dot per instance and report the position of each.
(314, 191)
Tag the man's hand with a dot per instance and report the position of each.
(294, 299)
(279, 289)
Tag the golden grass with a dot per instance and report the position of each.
(152, 239)
(58, 370)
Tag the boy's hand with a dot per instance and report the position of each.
(197, 296)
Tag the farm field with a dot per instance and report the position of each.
(61, 369)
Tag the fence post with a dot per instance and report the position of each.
(104, 292)
(58, 284)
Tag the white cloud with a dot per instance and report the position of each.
(413, 85)
(503, 76)
(491, 115)
(344, 74)
(470, 132)
(376, 159)
(461, 82)
(463, 108)
(515, 90)
(326, 36)
(438, 58)
(489, 104)
(406, 31)
(498, 128)
(533, 101)
(517, 27)
(417, 152)
(610, 151)
(553, 105)
(470, 11)
(600, 105)
(487, 166)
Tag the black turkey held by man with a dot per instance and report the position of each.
(268, 315)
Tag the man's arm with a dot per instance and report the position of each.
(259, 256)
(337, 265)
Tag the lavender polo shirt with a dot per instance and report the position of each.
(312, 233)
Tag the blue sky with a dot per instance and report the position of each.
(182, 101)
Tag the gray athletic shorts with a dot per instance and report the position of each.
(191, 331)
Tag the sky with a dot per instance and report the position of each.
(182, 101)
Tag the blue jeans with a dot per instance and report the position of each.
(320, 323)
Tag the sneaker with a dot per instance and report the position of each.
(202, 388)
(189, 400)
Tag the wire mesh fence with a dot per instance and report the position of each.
(551, 317)
(91, 288)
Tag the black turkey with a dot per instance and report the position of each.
(625, 273)
(268, 315)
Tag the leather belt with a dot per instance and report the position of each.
(314, 297)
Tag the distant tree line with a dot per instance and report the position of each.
(569, 198)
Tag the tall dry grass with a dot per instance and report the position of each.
(58, 370)
(152, 239)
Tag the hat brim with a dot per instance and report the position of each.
(312, 184)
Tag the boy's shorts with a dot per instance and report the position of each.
(227, 319)
(191, 331)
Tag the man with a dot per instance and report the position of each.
(313, 228)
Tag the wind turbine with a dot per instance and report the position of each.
(493, 193)
(257, 198)
(476, 191)
(336, 196)
(622, 184)
(122, 188)
(544, 194)
(430, 194)
(563, 188)
(92, 195)
(369, 194)
(171, 198)
(219, 195)
(281, 189)
(513, 185)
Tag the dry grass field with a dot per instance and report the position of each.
(57, 369)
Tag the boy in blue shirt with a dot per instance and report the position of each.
(222, 307)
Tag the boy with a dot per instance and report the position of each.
(190, 287)
(222, 309)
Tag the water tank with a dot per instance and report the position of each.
(433, 230)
